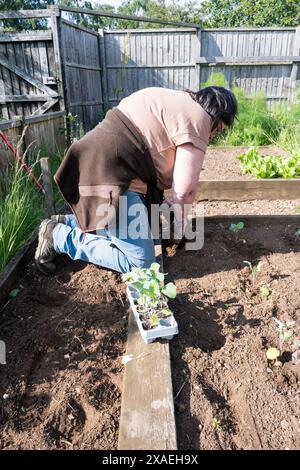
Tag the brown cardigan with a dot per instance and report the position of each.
(99, 167)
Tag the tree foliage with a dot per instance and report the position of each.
(13, 25)
(234, 13)
(208, 13)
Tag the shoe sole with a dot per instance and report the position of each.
(45, 270)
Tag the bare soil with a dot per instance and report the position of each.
(228, 395)
(221, 163)
(65, 337)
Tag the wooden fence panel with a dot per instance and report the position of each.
(82, 73)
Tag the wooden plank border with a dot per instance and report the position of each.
(247, 190)
(28, 36)
(244, 60)
(147, 414)
(19, 14)
(252, 219)
(15, 266)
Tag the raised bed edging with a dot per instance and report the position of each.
(247, 190)
(147, 413)
(252, 219)
(13, 269)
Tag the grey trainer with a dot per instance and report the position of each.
(45, 253)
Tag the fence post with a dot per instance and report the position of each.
(295, 74)
(197, 55)
(103, 70)
(47, 182)
(55, 25)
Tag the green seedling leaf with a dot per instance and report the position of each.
(236, 227)
(169, 290)
(297, 232)
(249, 264)
(13, 293)
(258, 267)
(154, 289)
(155, 267)
(254, 269)
(285, 331)
(154, 320)
(264, 291)
(166, 312)
(217, 424)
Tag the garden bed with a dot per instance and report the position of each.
(65, 338)
(221, 163)
(263, 207)
(222, 179)
(228, 396)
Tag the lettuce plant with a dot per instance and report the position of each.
(268, 166)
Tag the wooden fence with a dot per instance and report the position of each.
(44, 135)
(71, 68)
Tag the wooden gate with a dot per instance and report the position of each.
(81, 65)
(29, 74)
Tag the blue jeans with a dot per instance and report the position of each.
(108, 249)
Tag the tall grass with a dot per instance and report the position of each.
(257, 124)
(22, 207)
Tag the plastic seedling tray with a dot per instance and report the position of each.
(166, 328)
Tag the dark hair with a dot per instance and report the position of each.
(218, 102)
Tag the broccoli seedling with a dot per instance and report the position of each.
(254, 269)
(264, 292)
(217, 424)
(297, 234)
(152, 303)
(236, 228)
(285, 332)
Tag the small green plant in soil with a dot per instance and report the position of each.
(297, 234)
(255, 269)
(152, 304)
(268, 166)
(285, 332)
(217, 424)
(236, 228)
(264, 292)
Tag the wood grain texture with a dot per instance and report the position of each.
(147, 414)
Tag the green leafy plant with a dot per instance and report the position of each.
(267, 166)
(18, 195)
(285, 331)
(259, 124)
(152, 303)
(264, 292)
(235, 228)
(297, 233)
(73, 129)
(254, 269)
(217, 424)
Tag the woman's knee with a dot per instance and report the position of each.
(141, 263)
